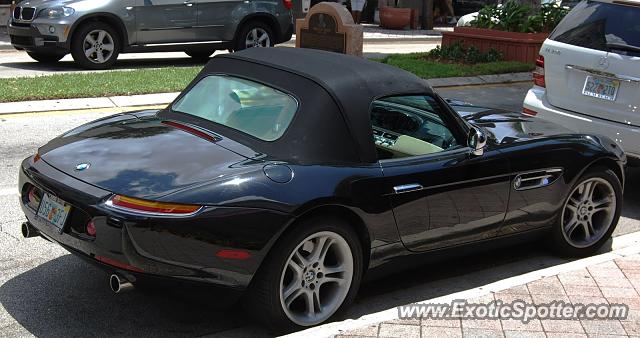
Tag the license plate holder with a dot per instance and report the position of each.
(54, 210)
(601, 88)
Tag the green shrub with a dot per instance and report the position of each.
(457, 52)
(516, 17)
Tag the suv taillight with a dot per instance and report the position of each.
(538, 74)
(288, 4)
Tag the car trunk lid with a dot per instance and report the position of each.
(144, 157)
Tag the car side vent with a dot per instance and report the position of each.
(537, 179)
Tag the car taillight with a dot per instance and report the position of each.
(91, 229)
(538, 74)
(233, 254)
(288, 4)
(33, 197)
(529, 112)
(36, 157)
(151, 207)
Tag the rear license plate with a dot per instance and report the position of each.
(54, 210)
(606, 89)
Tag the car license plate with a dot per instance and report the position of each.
(54, 210)
(605, 89)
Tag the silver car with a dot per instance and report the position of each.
(96, 32)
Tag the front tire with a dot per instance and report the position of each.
(589, 215)
(254, 34)
(312, 274)
(96, 45)
(45, 57)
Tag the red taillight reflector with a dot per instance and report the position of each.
(233, 254)
(538, 74)
(118, 264)
(33, 196)
(288, 4)
(153, 206)
(529, 112)
(91, 229)
(191, 130)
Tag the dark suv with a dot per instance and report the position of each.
(95, 32)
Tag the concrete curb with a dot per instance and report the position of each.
(165, 98)
(624, 245)
(480, 80)
(86, 103)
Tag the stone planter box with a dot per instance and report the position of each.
(523, 47)
(5, 14)
(395, 18)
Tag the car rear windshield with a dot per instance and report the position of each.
(250, 107)
(602, 26)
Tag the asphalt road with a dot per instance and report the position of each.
(44, 291)
(15, 63)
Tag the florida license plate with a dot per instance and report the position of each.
(54, 210)
(606, 89)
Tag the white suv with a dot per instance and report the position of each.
(588, 73)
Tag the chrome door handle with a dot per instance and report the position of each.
(188, 3)
(399, 189)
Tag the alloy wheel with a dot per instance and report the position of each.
(98, 46)
(316, 278)
(588, 212)
(257, 37)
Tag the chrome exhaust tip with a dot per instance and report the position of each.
(29, 230)
(119, 284)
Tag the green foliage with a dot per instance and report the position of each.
(457, 52)
(513, 16)
(421, 65)
(62, 86)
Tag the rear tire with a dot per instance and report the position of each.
(46, 58)
(254, 34)
(294, 275)
(95, 45)
(200, 55)
(589, 214)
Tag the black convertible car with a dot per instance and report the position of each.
(287, 175)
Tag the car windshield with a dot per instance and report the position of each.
(250, 107)
(601, 26)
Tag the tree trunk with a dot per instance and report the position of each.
(427, 14)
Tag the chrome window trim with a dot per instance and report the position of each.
(619, 77)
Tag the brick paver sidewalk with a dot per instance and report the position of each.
(613, 282)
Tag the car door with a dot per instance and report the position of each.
(442, 193)
(214, 16)
(166, 21)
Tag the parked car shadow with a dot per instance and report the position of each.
(66, 296)
(631, 206)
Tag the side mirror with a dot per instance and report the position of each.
(477, 141)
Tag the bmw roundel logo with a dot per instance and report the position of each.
(83, 166)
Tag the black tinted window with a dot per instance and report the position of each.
(601, 26)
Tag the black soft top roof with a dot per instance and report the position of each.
(345, 75)
(328, 85)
